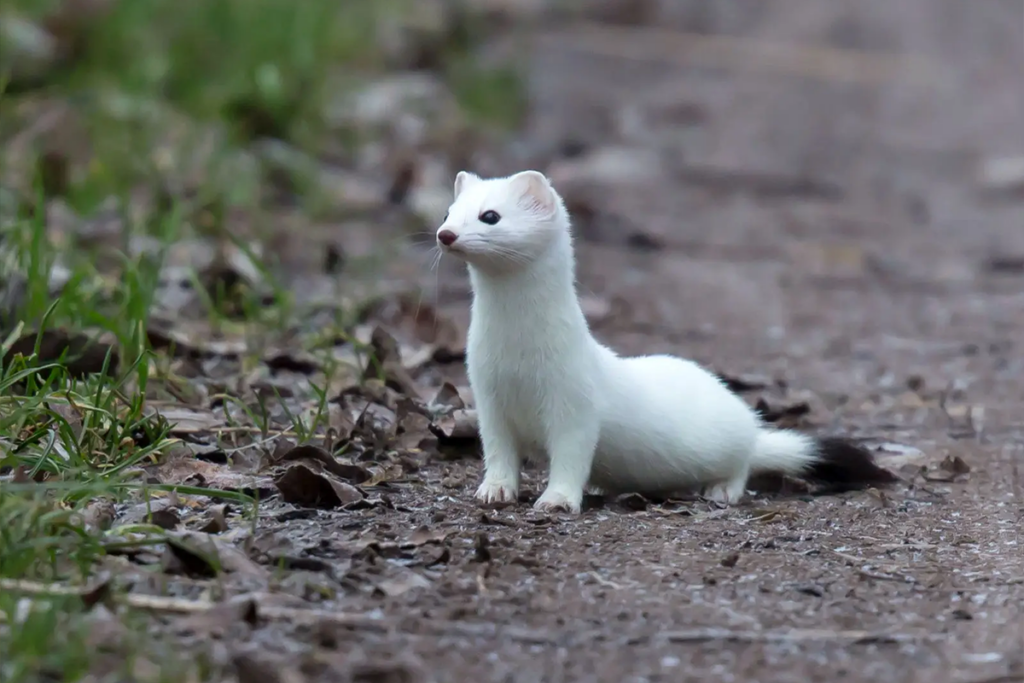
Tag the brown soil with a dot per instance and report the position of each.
(883, 305)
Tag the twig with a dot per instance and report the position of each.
(887, 577)
(795, 635)
(870, 574)
(158, 603)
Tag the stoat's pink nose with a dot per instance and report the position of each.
(447, 237)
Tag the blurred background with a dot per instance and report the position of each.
(737, 171)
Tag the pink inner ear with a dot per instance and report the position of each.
(535, 194)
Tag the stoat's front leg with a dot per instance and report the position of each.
(502, 460)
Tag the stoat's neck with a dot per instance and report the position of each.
(540, 299)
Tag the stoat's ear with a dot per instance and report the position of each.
(534, 192)
(463, 180)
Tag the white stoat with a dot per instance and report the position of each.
(543, 384)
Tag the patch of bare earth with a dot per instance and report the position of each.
(834, 240)
(818, 227)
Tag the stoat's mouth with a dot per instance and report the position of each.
(451, 249)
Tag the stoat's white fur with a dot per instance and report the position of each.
(544, 385)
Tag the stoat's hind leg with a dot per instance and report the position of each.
(729, 492)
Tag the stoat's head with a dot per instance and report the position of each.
(503, 224)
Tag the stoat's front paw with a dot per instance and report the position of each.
(558, 501)
(497, 492)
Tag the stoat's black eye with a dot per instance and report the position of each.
(445, 217)
(490, 217)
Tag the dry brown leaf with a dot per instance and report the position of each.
(181, 466)
(348, 471)
(952, 468)
(386, 362)
(166, 518)
(407, 581)
(192, 338)
(218, 520)
(385, 474)
(188, 420)
(82, 354)
(216, 621)
(448, 396)
(458, 425)
(301, 485)
(99, 514)
(425, 534)
(198, 554)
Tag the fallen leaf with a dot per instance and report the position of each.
(300, 485)
(292, 361)
(765, 515)
(459, 425)
(183, 558)
(354, 473)
(424, 535)
(155, 505)
(408, 580)
(444, 557)
(79, 354)
(165, 518)
(385, 474)
(785, 417)
(99, 591)
(21, 475)
(184, 420)
(192, 339)
(448, 397)
(99, 514)
(387, 363)
(952, 468)
(217, 620)
(218, 520)
(198, 554)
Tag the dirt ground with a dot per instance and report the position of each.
(892, 303)
(832, 238)
(823, 232)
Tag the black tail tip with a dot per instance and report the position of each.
(845, 466)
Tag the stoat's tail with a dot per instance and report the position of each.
(838, 464)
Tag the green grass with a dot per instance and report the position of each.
(70, 443)
(166, 96)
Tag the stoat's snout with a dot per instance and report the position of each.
(446, 237)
